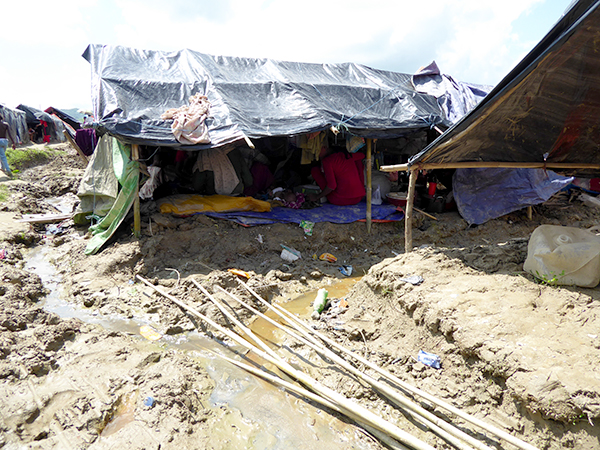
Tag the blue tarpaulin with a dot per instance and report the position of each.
(325, 213)
(484, 194)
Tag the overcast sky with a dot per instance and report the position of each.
(477, 41)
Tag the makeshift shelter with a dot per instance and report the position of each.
(251, 99)
(17, 122)
(542, 115)
(50, 127)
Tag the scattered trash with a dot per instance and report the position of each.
(289, 254)
(429, 359)
(150, 333)
(320, 300)
(307, 227)
(259, 238)
(343, 303)
(328, 257)
(239, 273)
(413, 279)
(2, 254)
(149, 402)
(346, 270)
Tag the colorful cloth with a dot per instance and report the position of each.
(297, 204)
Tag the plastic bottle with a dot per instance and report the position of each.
(320, 300)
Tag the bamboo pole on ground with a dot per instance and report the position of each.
(443, 429)
(346, 405)
(408, 387)
(369, 184)
(394, 445)
(408, 214)
(137, 223)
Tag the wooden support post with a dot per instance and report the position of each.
(412, 182)
(530, 212)
(137, 223)
(369, 185)
(74, 144)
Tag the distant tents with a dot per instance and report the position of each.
(17, 122)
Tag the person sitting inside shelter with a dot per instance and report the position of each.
(340, 177)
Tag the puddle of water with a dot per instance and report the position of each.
(301, 306)
(65, 204)
(270, 420)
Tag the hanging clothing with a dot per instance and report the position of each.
(215, 160)
(311, 145)
(189, 125)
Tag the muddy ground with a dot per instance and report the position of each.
(519, 354)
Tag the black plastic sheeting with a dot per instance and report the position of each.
(545, 109)
(64, 117)
(256, 98)
(17, 122)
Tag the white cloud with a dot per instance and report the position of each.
(472, 40)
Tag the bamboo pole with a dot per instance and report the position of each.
(394, 445)
(343, 403)
(137, 223)
(408, 214)
(408, 387)
(424, 213)
(530, 212)
(74, 144)
(491, 164)
(369, 184)
(446, 431)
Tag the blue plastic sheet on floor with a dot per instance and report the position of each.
(324, 213)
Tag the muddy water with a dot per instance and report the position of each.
(300, 306)
(268, 417)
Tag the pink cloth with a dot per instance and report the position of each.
(189, 125)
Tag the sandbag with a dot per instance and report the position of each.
(564, 256)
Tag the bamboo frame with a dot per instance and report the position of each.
(408, 213)
(467, 165)
(488, 164)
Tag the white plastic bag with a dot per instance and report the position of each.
(376, 197)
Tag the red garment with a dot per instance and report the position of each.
(344, 175)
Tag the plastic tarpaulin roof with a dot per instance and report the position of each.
(17, 122)
(545, 110)
(256, 98)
